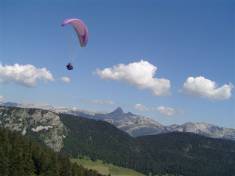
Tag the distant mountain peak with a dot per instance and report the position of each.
(118, 111)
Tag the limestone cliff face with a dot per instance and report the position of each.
(43, 124)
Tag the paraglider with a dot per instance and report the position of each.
(81, 31)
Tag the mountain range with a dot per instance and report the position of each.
(137, 125)
(176, 153)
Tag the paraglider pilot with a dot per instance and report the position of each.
(69, 66)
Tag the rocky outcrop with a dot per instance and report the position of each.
(43, 124)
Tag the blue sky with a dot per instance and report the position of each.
(184, 38)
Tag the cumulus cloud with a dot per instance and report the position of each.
(65, 79)
(167, 111)
(99, 102)
(140, 107)
(203, 87)
(26, 75)
(140, 74)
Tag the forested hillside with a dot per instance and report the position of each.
(190, 155)
(173, 153)
(100, 140)
(19, 156)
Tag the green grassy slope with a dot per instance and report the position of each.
(106, 169)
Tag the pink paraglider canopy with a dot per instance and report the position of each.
(80, 28)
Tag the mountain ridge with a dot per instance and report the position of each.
(138, 125)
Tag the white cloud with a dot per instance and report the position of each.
(26, 75)
(203, 87)
(65, 79)
(140, 74)
(2, 98)
(99, 102)
(167, 111)
(140, 107)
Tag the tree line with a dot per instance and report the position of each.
(20, 156)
